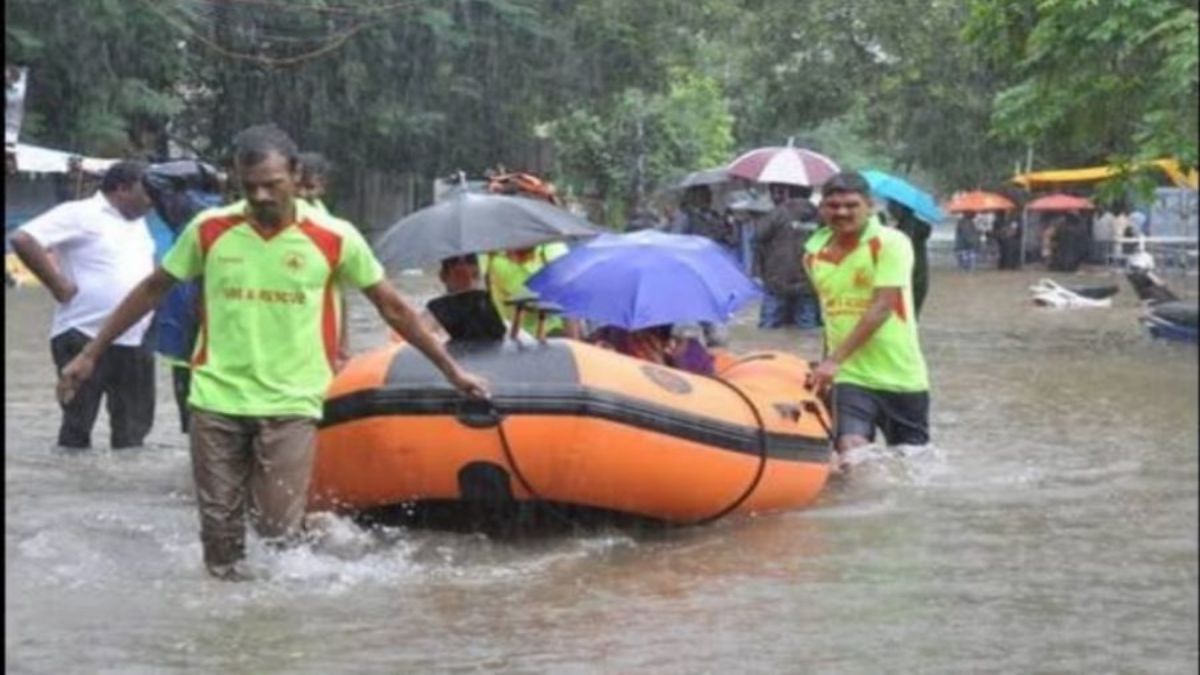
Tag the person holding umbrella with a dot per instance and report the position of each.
(914, 211)
(507, 271)
(696, 216)
(779, 248)
(873, 365)
(966, 241)
(918, 232)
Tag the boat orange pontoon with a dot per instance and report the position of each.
(572, 425)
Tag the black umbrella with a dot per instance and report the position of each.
(714, 176)
(180, 189)
(473, 223)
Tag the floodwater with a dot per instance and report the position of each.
(1052, 528)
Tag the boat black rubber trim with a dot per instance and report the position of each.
(573, 400)
(499, 362)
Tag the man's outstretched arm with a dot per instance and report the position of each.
(405, 320)
(138, 303)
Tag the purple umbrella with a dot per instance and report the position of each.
(647, 278)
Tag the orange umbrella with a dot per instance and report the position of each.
(978, 200)
(1060, 202)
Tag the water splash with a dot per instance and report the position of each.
(898, 464)
(342, 556)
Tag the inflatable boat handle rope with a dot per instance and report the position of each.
(808, 406)
(750, 487)
(516, 470)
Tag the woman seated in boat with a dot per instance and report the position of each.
(656, 344)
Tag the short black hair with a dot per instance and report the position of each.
(469, 258)
(315, 164)
(253, 144)
(123, 174)
(847, 181)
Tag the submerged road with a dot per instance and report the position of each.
(1052, 528)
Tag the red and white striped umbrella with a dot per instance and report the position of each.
(793, 166)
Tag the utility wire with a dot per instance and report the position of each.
(334, 41)
(329, 9)
(277, 27)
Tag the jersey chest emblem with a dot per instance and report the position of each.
(862, 278)
(293, 261)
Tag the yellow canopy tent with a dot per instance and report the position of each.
(1050, 179)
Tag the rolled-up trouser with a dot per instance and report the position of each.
(267, 459)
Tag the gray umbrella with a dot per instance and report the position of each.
(473, 223)
(714, 176)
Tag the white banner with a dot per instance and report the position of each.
(35, 159)
(14, 102)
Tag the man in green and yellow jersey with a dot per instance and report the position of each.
(270, 265)
(862, 273)
(507, 272)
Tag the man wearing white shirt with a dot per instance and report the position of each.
(102, 249)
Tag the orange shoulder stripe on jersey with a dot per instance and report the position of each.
(875, 244)
(200, 357)
(213, 228)
(210, 231)
(329, 243)
(898, 307)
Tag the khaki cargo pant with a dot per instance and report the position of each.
(267, 458)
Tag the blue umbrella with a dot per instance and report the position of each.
(646, 278)
(887, 186)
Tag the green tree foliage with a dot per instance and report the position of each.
(627, 93)
(102, 76)
(1093, 80)
(890, 79)
(639, 141)
(932, 102)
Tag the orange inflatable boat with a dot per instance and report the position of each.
(572, 425)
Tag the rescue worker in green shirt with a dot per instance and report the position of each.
(507, 271)
(873, 365)
(265, 355)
